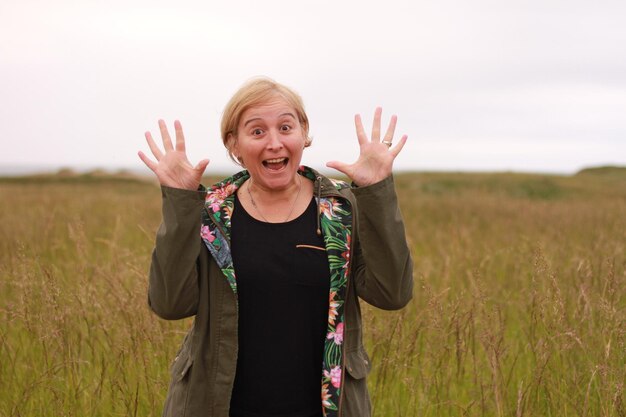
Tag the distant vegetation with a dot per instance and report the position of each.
(615, 171)
(519, 306)
(68, 175)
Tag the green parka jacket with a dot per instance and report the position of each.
(192, 274)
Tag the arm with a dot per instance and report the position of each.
(173, 283)
(382, 265)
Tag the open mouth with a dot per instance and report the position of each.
(276, 163)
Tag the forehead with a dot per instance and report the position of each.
(272, 109)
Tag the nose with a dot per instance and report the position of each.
(274, 140)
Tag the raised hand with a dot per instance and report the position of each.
(376, 157)
(172, 168)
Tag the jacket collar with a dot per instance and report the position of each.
(220, 197)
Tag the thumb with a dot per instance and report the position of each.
(339, 166)
(201, 166)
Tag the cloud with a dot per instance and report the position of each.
(524, 85)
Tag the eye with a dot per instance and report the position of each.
(285, 128)
(257, 132)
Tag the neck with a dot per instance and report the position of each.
(271, 195)
(274, 205)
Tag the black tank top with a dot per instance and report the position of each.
(283, 282)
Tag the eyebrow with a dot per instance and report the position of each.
(258, 118)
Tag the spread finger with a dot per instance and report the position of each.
(180, 138)
(153, 147)
(165, 135)
(376, 125)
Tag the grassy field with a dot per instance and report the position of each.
(519, 306)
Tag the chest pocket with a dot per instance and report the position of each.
(309, 265)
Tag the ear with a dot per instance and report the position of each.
(230, 141)
(307, 139)
(232, 144)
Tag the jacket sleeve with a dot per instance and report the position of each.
(382, 264)
(173, 284)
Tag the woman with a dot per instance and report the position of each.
(272, 261)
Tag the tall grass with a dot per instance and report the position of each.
(519, 307)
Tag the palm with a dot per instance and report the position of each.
(376, 157)
(172, 167)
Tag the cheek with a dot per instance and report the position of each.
(250, 150)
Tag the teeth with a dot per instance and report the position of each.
(275, 161)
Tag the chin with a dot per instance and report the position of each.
(276, 179)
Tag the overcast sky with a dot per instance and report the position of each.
(532, 85)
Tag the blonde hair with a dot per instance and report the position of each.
(258, 91)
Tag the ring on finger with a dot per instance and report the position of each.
(387, 142)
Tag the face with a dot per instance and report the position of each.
(270, 142)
